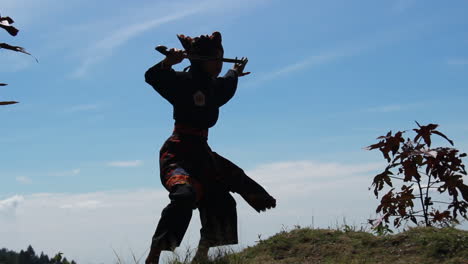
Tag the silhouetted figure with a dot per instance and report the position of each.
(194, 175)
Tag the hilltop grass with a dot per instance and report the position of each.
(305, 245)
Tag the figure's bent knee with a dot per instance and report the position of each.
(183, 195)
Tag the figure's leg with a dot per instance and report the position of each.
(174, 220)
(237, 181)
(218, 217)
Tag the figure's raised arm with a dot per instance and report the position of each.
(165, 80)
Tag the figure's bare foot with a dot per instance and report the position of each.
(153, 256)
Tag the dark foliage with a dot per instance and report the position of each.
(422, 168)
(29, 257)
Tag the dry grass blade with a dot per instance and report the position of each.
(119, 260)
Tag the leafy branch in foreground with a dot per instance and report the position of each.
(5, 23)
(424, 170)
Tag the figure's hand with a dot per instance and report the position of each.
(174, 56)
(239, 67)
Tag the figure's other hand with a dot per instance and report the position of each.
(174, 56)
(239, 67)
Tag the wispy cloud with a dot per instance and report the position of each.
(350, 49)
(82, 108)
(106, 46)
(386, 108)
(401, 6)
(23, 180)
(458, 61)
(65, 173)
(87, 204)
(315, 60)
(391, 108)
(125, 164)
(119, 33)
(15, 62)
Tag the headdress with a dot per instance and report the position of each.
(203, 45)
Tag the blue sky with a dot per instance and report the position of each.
(328, 77)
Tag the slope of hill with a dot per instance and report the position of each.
(304, 245)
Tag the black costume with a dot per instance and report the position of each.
(195, 176)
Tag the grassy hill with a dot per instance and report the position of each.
(304, 245)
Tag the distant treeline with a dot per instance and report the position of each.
(30, 257)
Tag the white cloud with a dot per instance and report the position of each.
(23, 180)
(72, 172)
(308, 193)
(11, 203)
(301, 178)
(127, 219)
(131, 163)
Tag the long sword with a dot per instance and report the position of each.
(163, 50)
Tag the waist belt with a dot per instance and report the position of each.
(187, 130)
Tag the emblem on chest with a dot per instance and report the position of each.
(199, 98)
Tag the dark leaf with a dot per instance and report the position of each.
(425, 133)
(388, 181)
(5, 24)
(380, 179)
(442, 135)
(464, 191)
(410, 170)
(8, 102)
(3, 84)
(374, 146)
(15, 48)
(462, 155)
